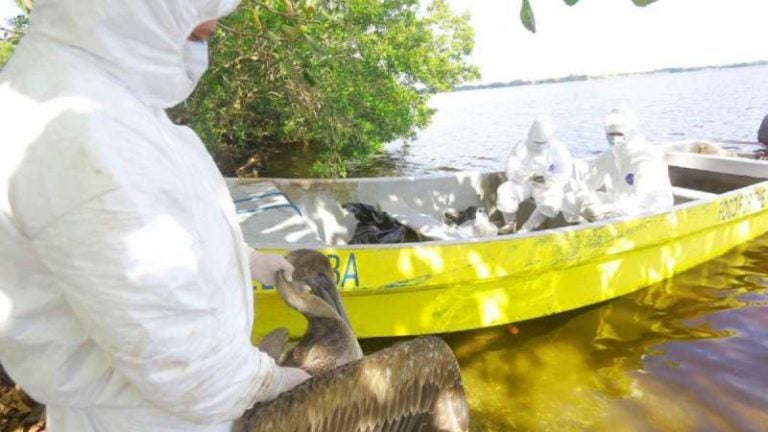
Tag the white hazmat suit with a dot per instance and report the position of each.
(538, 167)
(633, 175)
(125, 293)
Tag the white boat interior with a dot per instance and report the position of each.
(291, 213)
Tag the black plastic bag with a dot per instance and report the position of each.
(375, 227)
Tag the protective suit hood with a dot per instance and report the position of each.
(540, 135)
(139, 42)
(621, 120)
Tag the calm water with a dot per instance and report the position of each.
(474, 129)
(687, 354)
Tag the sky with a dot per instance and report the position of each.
(598, 37)
(8, 8)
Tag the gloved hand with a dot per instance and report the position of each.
(590, 207)
(264, 268)
(292, 376)
(592, 211)
(538, 184)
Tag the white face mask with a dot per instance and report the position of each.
(537, 148)
(614, 140)
(195, 60)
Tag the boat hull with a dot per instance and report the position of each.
(439, 287)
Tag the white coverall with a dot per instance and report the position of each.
(538, 167)
(633, 174)
(125, 293)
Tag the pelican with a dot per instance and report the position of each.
(411, 386)
(329, 340)
(481, 226)
(472, 222)
(254, 167)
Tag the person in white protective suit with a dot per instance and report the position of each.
(539, 167)
(125, 286)
(632, 175)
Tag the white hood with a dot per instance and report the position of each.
(540, 135)
(621, 120)
(140, 42)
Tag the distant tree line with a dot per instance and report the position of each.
(571, 78)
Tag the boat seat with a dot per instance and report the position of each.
(266, 215)
(691, 194)
(424, 224)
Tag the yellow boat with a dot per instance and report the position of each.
(459, 284)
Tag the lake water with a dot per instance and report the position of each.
(473, 130)
(687, 354)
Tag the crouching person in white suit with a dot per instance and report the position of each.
(537, 168)
(628, 179)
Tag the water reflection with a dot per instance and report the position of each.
(686, 354)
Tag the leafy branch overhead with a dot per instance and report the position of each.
(529, 20)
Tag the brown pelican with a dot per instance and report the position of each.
(18, 411)
(329, 340)
(254, 167)
(472, 222)
(411, 386)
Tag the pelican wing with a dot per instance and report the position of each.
(411, 386)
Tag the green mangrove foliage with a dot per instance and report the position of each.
(334, 80)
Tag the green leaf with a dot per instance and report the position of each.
(24, 5)
(643, 2)
(290, 32)
(526, 16)
(573, 2)
(256, 20)
(272, 36)
(289, 7)
(308, 77)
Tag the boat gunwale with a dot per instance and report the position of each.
(384, 290)
(521, 236)
(501, 238)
